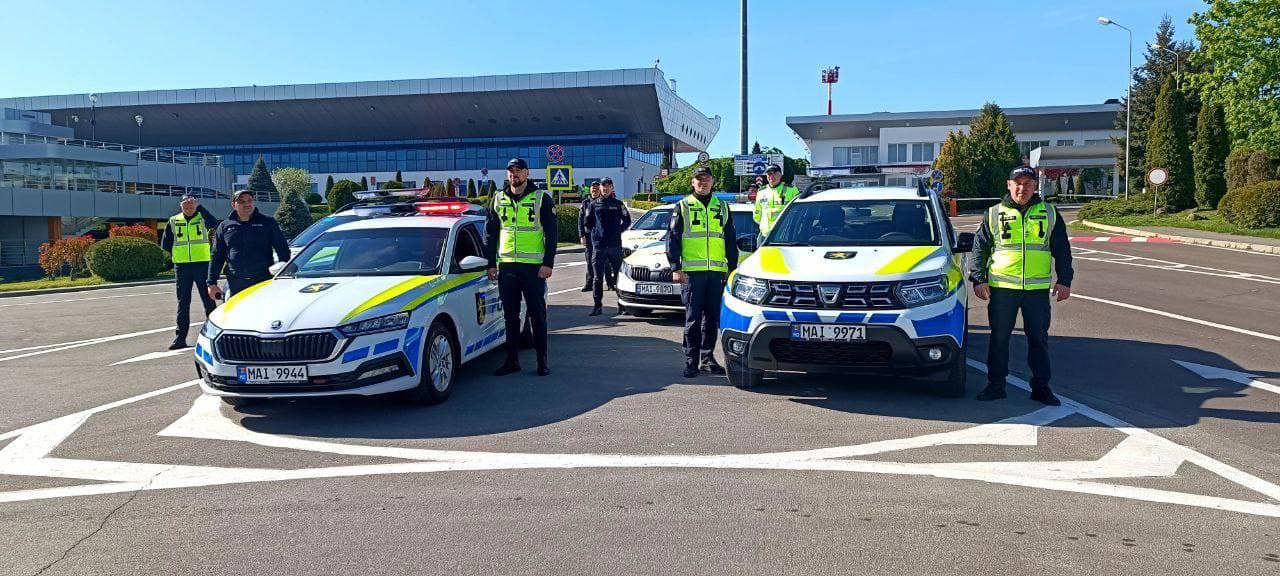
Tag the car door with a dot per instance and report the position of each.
(479, 309)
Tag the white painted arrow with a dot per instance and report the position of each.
(1214, 373)
(154, 355)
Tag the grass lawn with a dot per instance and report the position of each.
(64, 282)
(1214, 223)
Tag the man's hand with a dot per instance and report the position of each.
(544, 272)
(680, 277)
(982, 291)
(493, 273)
(1061, 292)
(583, 240)
(214, 292)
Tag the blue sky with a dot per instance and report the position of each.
(893, 56)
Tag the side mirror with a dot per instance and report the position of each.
(964, 243)
(473, 263)
(747, 243)
(277, 267)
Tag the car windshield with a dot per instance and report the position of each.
(320, 226)
(744, 224)
(856, 223)
(656, 219)
(371, 252)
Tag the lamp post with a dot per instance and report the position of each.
(1128, 99)
(1177, 60)
(138, 118)
(830, 76)
(93, 117)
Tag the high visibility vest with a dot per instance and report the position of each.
(521, 238)
(190, 238)
(769, 204)
(702, 244)
(1021, 259)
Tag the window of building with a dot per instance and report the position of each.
(1066, 143)
(895, 181)
(1025, 148)
(922, 152)
(855, 155)
(897, 153)
(1097, 142)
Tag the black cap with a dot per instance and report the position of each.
(596, 183)
(1022, 171)
(517, 163)
(239, 193)
(606, 180)
(703, 171)
(773, 168)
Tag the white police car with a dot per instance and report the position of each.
(371, 204)
(650, 228)
(852, 280)
(368, 307)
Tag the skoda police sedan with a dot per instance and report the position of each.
(852, 280)
(373, 306)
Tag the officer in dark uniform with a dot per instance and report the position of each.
(584, 233)
(702, 252)
(520, 243)
(244, 243)
(607, 217)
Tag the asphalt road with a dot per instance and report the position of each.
(616, 464)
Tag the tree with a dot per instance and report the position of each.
(328, 185)
(679, 181)
(471, 187)
(364, 183)
(1169, 147)
(314, 199)
(342, 194)
(953, 161)
(992, 150)
(1158, 65)
(398, 177)
(293, 185)
(260, 180)
(1209, 156)
(1238, 64)
(755, 149)
(393, 185)
(1238, 167)
(1259, 168)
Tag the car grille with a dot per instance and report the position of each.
(854, 354)
(834, 295)
(652, 299)
(642, 274)
(298, 347)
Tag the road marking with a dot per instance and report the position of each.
(76, 344)
(1132, 260)
(571, 264)
(565, 290)
(107, 406)
(1214, 373)
(1179, 317)
(83, 299)
(153, 356)
(1122, 239)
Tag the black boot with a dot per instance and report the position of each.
(1044, 395)
(543, 368)
(586, 288)
(992, 392)
(596, 311)
(710, 366)
(690, 371)
(178, 344)
(511, 366)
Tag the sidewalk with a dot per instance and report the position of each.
(1201, 237)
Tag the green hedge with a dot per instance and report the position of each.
(124, 258)
(1253, 205)
(646, 197)
(567, 222)
(1133, 205)
(480, 201)
(644, 205)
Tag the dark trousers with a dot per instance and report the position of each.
(516, 281)
(1002, 314)
(604, 264)
(190, 275)
(590, 256)
(238, 283)
(701, 296)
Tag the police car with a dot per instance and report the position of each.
(650, 228)
(369, 204)
(367, 307)
(852, 280)
(645, 284)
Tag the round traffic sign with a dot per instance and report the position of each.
(937, 186)
(1158, 176)
(758, 168)
(484, 171)
(936, 175)
(555, 153)
(703, 156)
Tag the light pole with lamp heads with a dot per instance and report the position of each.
(93, 117)
(1177, 61)
(1128, 99)
(138, 118)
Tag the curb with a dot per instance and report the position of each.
(17, 293)
(1261, 248)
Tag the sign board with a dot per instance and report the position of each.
(936, 175)
(663, 173)
(555, 153)
(1158, 176)
(937, 186)
(754, 164)
(484, 171)
(559, 177)
(801, 182)
(703, 156)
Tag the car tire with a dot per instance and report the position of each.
(440, 362)
(622, 310)
(742, 377)
(953, 386)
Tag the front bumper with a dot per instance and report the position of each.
(628, 298)
(887, 349)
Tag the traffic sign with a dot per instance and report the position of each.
(559, 177)
(1158, 176)
(937, 186)
(703, 157)
(936, 175)
(758, 168)
(746, 164)
(555, 153)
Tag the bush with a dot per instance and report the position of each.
(646, 197)
(1238, 167)
(1253, 206)
(1259, 168)
(640, 205)
(65, 256)
(1133, 205)
(342, 193)
(123, 258)
(293, 215)
(134, 231)
(567, 222)
(319, 211)
(393, 185)
(480, 201)
(314, 198)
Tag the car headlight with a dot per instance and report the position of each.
(210, 330)
(750, 290)
(625, 269)
(922, 291)
(396, 321)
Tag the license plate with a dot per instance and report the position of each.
(828, 332)
(656, 289)
(271, 374)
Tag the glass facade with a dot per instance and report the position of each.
(855, 155)
(65, 174)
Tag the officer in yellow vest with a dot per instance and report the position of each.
(771, 199)
(520, 243)
(701, 249)
(186, 238)
(1021, 243)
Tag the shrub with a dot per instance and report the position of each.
(65, 255)
(393, 185)
(1253, 206)
(1238, 167)
(567, 222)
(293, 215)
(125, 258)
(342, 193)
(134, 231)
(1136, 204)
(314, 198)
(1259, 167)
(646, 197)
(480, 201)
(642, 205)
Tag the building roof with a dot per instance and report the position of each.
(1028, 119)
(636, 102)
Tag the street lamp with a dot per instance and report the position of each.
(138, 118)
(1128, 98)
(830, 76)
(1177, 59)
(93, 117)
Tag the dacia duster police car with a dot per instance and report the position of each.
(849, 281)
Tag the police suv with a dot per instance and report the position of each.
(368, 307)
(852, 280)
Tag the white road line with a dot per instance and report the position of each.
(565, 290)
(153, 356)
(105, 407)
(79, 343)
(1131, 260)
(1179, 317)
(571, 264)
(83, 299)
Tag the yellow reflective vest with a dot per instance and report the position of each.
(702, 244)
(1020, 258)
(769, 204)
(190, 238)
(521, 238)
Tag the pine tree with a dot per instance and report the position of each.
(399, 178)
(1158, 65)
(364, 183)
(953, 161)
(260, 181)
(755, 149)
(328, 185)
(1210, 156)
(293, 215)
(992, 151)
(471, 188)
(1169, 147)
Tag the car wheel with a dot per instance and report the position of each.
(742, 377)
(237, 401)
(953, 386)
(439, 367)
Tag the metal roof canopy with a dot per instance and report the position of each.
(1029, 119)
(1093, 156)
(636, 102)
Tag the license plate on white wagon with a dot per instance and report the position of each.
(271, 374)
(828, 332)
(652, 289)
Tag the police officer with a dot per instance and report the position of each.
(701, 249)
(771, 199)
(186, 239)
(1020, 244)
(520, 243)
(606, 218)
(584, 233)
(244, 243)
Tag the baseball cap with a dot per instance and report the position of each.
(703, 171)
(517, 163)
(606, 180)
(773, 168)
(186, 197)
(1020, 171)
(596, 183)
(239, 193)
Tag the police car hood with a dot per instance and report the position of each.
(845, 264)
(636, 239)
(316, 303)
(650, 256)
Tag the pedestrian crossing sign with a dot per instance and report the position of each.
(559, 177)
